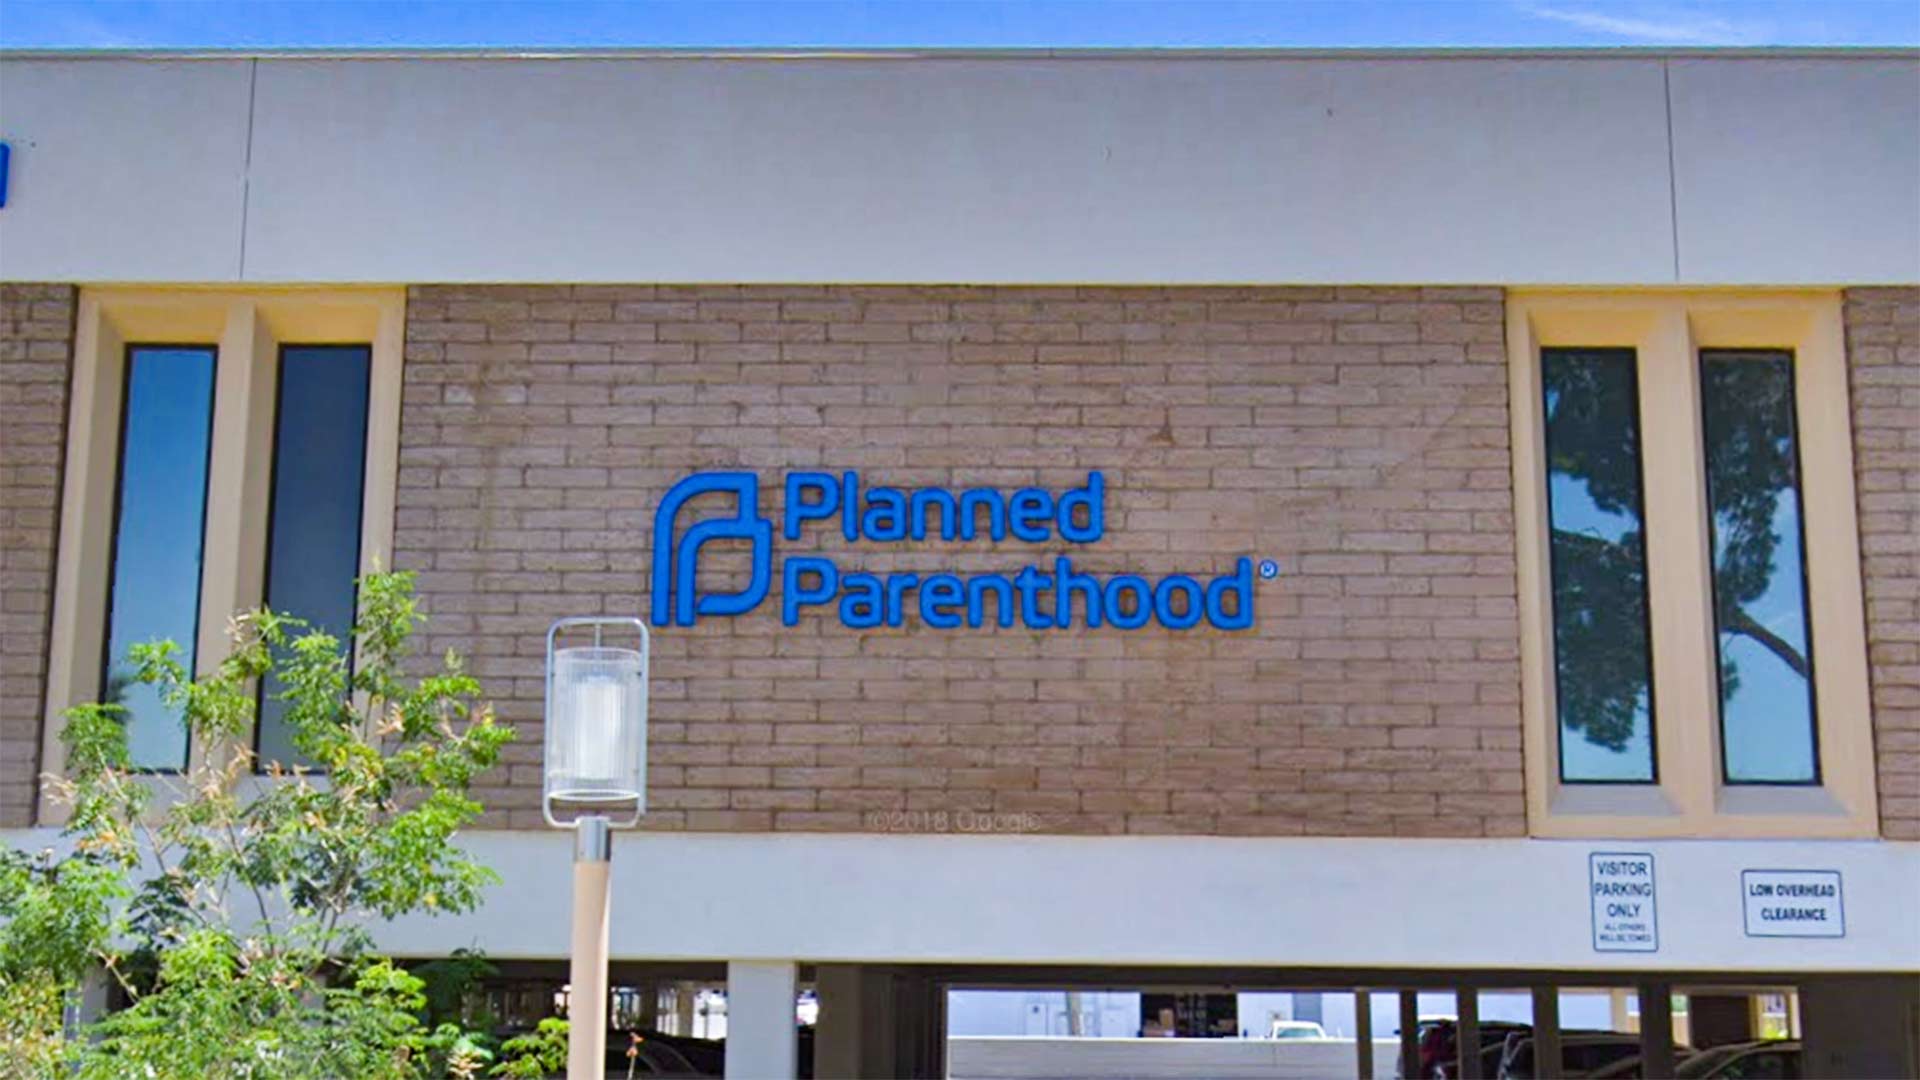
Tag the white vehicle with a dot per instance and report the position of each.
(1296, 1029)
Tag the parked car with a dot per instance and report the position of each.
(1296, 1029)
(648, 1058)
(1628, 1068)
(1772, 1059)
(1440, 1039)
(1581, 1053)
(659, 1055)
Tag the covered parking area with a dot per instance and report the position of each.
(880, 929)
(1847, 1025)
(892, 1020)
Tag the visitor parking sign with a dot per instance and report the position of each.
(1620, 886)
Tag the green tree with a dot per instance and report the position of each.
(233, 916)
(540, 1053)
(1749, 424)
(1600, 588)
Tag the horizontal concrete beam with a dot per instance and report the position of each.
(1516, 905)
(1121, 168)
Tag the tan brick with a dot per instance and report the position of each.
(1883, 326)
(1349, 433)
(36, 334)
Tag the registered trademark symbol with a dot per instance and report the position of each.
(1269, 569)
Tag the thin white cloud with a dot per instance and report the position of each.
(74, 27)
(1663, 26)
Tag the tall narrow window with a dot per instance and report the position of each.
(1603, 669)
(159, 527)
(1759, 568)
(313, 538)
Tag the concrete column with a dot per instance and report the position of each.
(868, 1023)
(1466, 1039)
(1548, 1064)
(1656, 1029)
(761, 1039)
(1862, 1025)
(649, 1005)
(686, 996)
(1409, 1033)
(1363, 1034)
(920, 1026)
(836, 1034)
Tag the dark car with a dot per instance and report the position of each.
(1440, 1040)
(1581, 1054)
(652, 1054)
(1771, 1060)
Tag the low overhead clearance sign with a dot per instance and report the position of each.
(1793, 903)
(1039, 597)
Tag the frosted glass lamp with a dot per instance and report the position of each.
(596, 747)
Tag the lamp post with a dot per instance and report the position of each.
(596, 781)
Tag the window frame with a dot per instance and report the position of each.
(1646, 620)
(112, 565)
(1690, 797)
(246, 328)
(1701, 356)
(278, 362)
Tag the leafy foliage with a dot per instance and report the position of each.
(1749, 422)
(540, 1053)
(233, 913)
(1599, 582)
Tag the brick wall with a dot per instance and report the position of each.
(1357, 436)
(1883, 348)
(36, 346)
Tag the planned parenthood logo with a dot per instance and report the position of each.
(1036, 597)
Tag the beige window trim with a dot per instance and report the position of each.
(248, 327)
(1666, 331)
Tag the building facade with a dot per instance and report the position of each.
(1249, 521)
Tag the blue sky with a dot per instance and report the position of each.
(982, 23)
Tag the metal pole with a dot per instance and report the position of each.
(587, 998)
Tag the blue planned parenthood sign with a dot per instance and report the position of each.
(1037, 597)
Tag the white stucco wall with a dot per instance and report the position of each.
(1627, 168)
(1242, 902)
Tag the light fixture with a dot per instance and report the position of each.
(595, 768)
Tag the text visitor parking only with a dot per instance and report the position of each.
(1621, 888)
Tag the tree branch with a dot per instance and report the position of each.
(1737, 621)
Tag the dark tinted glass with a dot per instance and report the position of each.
(1603, 667)
(159, 525)
(1764, 1065)
(1587, 1057)
(1759, 568)
(313, 540)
